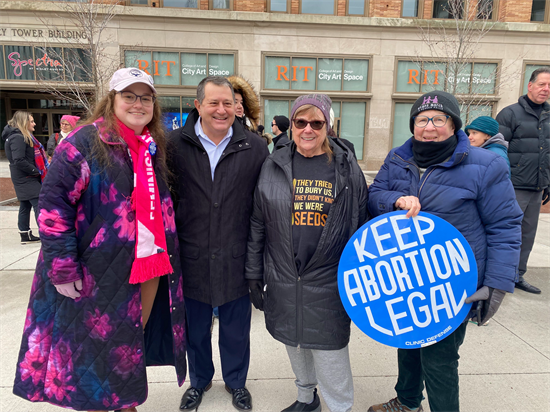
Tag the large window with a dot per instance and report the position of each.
(357, 7)
(317, 6)
(540, 11)
(278, 6)
(349, 118)
(185, 4)
(56, 64)
(220, 4)
(474, 84)
(316, 73)
(486, 10)
(448, 9)
(411, 8)
(175, 110)
(467, 78)
(170, 68)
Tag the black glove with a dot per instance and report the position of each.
(546, 195)
(488, 301)
(257, 293)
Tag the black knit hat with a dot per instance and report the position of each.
(282, 123)
(437, 100)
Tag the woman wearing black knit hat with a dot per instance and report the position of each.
(438, 171)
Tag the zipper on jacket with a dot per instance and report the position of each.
(299, 311)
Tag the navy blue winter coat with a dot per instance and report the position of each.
(472, 192)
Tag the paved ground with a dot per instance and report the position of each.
(505, 366)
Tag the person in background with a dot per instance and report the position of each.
(279, 126)
(333, 134)
(67, 123)
(438, 172)
(293, 254)
(261, 132)
(247, 103)
(107, 297)
(483, 132)
(215, 162)
(526, 127)
(28, 168)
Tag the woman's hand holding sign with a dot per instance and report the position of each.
(410, 203)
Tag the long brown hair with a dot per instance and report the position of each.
(314, 109)
(101, 150)
(21, 121)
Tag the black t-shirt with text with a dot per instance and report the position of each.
(313, 188)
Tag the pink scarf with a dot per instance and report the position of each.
(151, 258)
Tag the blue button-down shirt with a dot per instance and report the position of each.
(214, 151)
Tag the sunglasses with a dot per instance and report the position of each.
(302, 124)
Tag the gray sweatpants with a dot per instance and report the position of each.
(331, 368)
(529, 202)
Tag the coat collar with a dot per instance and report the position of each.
(462, 149)
(523, 103)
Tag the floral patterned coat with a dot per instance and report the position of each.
(90, 353)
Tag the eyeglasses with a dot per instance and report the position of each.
(437, 121)
(273, 124)
(130, 98)
(302, 124)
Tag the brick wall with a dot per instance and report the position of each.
(341, 8)
(386, 8)
(508, 10)
(515, 10)
(250, 5)
(428, 5)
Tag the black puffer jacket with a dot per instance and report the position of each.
(304, 310)
(529, 148)
(24, 173)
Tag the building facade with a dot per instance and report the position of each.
(372, 57)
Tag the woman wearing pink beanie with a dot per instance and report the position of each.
(67, 124)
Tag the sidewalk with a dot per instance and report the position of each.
(505, 366)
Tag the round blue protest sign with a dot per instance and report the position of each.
(403, 281)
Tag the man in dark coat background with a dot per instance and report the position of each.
(215, 163)
(526, 126)
(279, 126)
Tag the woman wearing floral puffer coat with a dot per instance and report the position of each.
(106, 298)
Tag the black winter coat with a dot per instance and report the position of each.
(24, 173)
(213, 217)
(280, 141)
(529, 148)
(304, 310)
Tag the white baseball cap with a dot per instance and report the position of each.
(128, 76)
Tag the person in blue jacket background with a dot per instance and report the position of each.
(483, 132)
(438, 171)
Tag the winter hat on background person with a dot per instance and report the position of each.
(70, 119)
(484, 124)
(123, 78)
(437, 100)
(282, 123)
(321, 101)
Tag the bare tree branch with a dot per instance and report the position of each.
(454, 43)
(88, 63)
